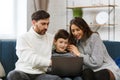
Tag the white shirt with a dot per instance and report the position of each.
(34, 52)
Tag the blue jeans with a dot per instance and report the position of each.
(75, 78)
(66, 78)
(19, 75)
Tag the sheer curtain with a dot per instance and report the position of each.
(34, 5)
(12, 18)
(6, 18)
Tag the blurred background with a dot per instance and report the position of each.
(16, 16)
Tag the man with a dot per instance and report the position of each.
(34, 51)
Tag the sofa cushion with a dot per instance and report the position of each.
(2, 71)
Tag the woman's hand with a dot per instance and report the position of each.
(73, 49)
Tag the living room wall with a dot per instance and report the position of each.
(59, 17)
(58, 12)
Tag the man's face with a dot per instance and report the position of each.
(41, 26)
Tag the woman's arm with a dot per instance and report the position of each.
(94, 56)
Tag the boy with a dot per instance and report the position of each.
(60, 48)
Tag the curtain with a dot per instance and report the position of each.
(41, 4)
(34, 5)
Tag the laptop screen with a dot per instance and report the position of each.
(67, 66)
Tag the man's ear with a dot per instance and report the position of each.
(33, 22)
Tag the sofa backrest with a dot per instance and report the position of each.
(7, 54)
(113, 48)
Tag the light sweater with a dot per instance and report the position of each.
(96, 56)
(34, 52)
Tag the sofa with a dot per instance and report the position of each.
(8, 53)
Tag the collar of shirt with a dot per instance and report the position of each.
(36, 34)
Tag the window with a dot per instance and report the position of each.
(11, 14)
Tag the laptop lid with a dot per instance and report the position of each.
(67, 66)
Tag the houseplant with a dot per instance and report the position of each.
(77, 12)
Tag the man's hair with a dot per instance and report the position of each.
(40, 14)
(61, 34)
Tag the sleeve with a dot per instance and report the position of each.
(27, 53)
(96, 57)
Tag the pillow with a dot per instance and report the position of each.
(2, 71)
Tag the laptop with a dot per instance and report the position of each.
(66, 66)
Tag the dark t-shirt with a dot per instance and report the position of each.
(65, 54)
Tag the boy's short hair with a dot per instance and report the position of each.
(61, 34)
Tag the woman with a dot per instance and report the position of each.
(98, 65)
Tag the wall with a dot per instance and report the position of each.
(57, 10)
(58, 16)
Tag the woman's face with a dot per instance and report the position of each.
(76, 31)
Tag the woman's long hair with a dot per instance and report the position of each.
(80, 22)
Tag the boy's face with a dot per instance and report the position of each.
(61, 44)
